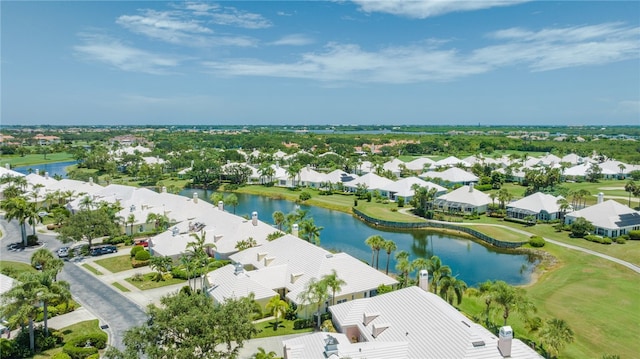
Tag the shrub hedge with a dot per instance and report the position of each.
(136, 249)
(303, 323)
(537, 241)
(77, 349)
(142, 255)
(634, 234)
(598, 239)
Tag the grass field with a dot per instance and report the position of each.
(13, 269)
(148, 283)
(501, 234)
(285, 327)
(35, 159)
(116, 264)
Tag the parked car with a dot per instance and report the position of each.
(63, 252)
(105, 249)
(143, 242)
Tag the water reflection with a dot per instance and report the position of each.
(474, 263)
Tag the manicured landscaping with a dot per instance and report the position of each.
(13, 269)
(285, 327)
(502, 234)
(72, 332)
(121, 287)
(92, 269)
(147, 281)
(116, 264)
(36, 159)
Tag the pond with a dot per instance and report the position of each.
(58, 168)
(472, 262)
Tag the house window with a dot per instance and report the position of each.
(341, 301)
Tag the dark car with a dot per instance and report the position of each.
(100, 250)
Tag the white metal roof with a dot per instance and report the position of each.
(453, 175)
(371, 180)
(468, 195)
(404, 187)
(537, 202)
(608, 214)
(433, 328)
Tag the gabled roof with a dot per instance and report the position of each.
(312, 346)
(393, 165)
(453, 175)
(225, 283)
(371, 180)
(304, 261)
(419, 163)
(432, 327)
(404, 186)
(537, 202)
(467, 195)
(451, 161)
(609, 214)
(581, 170)
(339, 176)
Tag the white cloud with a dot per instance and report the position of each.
(176, 27)
(421, 9)
(557, 48)
(114, 53)
(227, 15)
(543, 50)
(349, 63)
(294, 40)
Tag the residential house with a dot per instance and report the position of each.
(464, 199)
(405, 188)
(451, 176)
(610, 218)
(371, 181)
(544, 207)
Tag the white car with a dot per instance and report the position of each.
(63, 252)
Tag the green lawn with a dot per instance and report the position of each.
(148, 283)
(13, 269)
(501, 234)
(35, 159)
(120, 286)
(71, 332)
(92, 269)
(266, 329)
(116, 264)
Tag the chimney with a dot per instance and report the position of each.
(600, 197)
(7, 166)
(90, 181)
(238, 269)
(505, 336)
(220, 206)
(195, 197)
(46, 174)
(470, 187)
(37, 171)
(330, 346)
(294, 229)
(254, 218)
(164, 189)
(423, 280)
(175, 231)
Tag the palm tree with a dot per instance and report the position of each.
(563, 206)
(485, 290)
(403, 266)
(511, 298)
(198, 251)
(311, 231)
(375, 243)
(17, 208)
(277, 307)
(315, 292)
(334, 283)
(389, 246)
(20, 303)
(35, 192)
(622, 167)
(451, 287)
(131, 220)
(437, 271)
(86, 203)
(55, 290)
(630, 187)
(232, 200)
(44, 260)
(278, 219)
(418, 264)
(555, 335)
(263, 354)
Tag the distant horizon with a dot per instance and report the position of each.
(313, 63)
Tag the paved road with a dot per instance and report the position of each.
(111, 307)
(104, 302)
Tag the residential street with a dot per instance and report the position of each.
(103, 302)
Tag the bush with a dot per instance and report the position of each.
(61, 355)
(135, 250)
(598, 239)
(537, 241)
(142, 255)
(304, 196)
(483, 187)
(303, 323)
(77, 349)
(620, 240)
(634, 234)
(400, 201)
(138, 264)
(116, 240)
(94, 356)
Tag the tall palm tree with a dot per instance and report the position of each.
(334, 283)
(277, 307)
(630, 187)
(389, 246)
(418, 264)
(17, 208)
(375, 243)
(437, 271)
(55, 290)
(511, 298)
(278, 219)
(44, 260)
(20, 303)
(555, 335)
(232, 200)
(452, 288)
(311, 231)
(316, 293)
(563, 206)
(403, 266)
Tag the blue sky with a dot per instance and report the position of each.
(313, 63)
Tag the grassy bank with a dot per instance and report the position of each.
(35, 159)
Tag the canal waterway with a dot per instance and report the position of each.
(471, 261)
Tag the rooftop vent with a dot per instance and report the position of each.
(378, 328)
(295, 276)
(238, 269)
(368, 317)
(478, 343)
(330, 346)
(164, 189)
(195, 197)
(220, 206)
(268, 260)
(175, 231)
(254, 218)
(261, 255)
